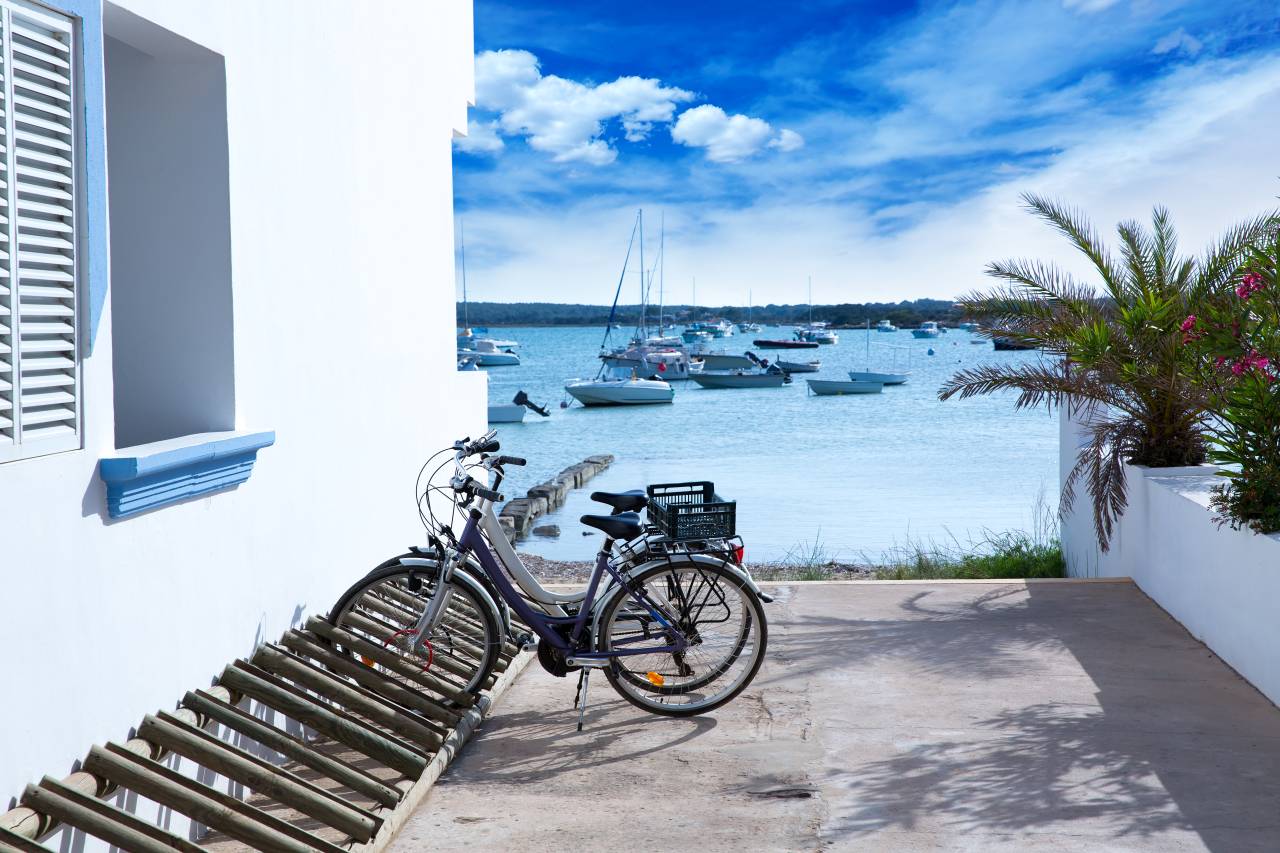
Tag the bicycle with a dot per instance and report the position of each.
(677, 630)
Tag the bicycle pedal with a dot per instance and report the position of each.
(527, 642)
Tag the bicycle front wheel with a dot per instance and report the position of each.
(717, 612)
(383, 608)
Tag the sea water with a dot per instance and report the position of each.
(853, 477)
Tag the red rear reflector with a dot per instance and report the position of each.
(737, 554)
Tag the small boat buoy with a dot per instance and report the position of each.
(931, 352)
(564, 404)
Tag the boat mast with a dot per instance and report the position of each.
(640, 330)
(466, 314)
(662, 268)
(810, 301)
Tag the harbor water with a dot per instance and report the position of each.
(853, 477)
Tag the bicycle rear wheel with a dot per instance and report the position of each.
(715, 609)
(384, 607)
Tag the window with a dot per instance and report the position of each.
(39, 361)
(170, 208)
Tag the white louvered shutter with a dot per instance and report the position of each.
(40, 234)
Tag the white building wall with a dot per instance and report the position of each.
(1221, 584)
(339, 122)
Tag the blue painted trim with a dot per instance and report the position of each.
(94, 272)
(159, 474)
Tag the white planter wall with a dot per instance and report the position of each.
(1222, 584)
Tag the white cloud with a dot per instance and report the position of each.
(787, 140)
(482, 138)
(729, 138)
(569, 120)
(565, 118)
(1201, 144)
(1089, 6)
(1179, 39)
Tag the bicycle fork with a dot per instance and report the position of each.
(433, 614)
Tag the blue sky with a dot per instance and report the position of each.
(879, 147)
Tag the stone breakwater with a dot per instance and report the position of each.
(517, 516)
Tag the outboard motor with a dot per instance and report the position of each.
(522, 399)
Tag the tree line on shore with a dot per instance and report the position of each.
(903, 314)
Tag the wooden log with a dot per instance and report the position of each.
(376, 709)
(222, 812)
(370, 678)
(102, 820)
(259, 776)
(389, 659)
(273, 738)
(28, 823)
(11, 841)
(334, 708)
(357, 735)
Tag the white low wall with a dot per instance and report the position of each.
(1221, 584)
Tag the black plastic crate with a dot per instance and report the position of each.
(691, 511)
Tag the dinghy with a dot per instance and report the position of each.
(838, 387)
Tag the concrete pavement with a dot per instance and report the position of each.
(896, 717)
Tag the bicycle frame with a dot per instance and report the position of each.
(472, 541)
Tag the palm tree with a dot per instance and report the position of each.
(1114, 352)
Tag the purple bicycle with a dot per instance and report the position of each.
(677, 630)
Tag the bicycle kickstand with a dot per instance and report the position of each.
(580, 698)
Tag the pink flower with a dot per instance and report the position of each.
(1189, 323)
(1238, 368)
(1249, 285)
(1220, 360)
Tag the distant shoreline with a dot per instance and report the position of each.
(843, 315)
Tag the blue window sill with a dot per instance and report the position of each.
(150, 476)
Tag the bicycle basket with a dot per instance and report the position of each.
(691, 511)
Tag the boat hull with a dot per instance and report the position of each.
(839, 387)
(799, 366)
(925, 333)
(765, 343)
(507, 413)
(740, 380)
(882, 378)
(620, 392)
(490, 359)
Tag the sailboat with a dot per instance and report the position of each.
(870, 375)
(615, 384)
(749, 326)
(816, 333)
(478, 351)
(651, 356)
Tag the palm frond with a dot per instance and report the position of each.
(1072, 224)
(1221, 263)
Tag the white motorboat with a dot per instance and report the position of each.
(881, 378)
(838, 387)
(648, 362)
(751, 328)
(800, 366)
(487, 354)
(611, 391)
(886, 326)
(467, 362)
(967, 327)
(928, 329)
(506, 413)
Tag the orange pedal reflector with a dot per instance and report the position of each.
(654, 678)
(366, 661)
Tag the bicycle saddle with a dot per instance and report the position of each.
(632, 501)
(625, 526)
